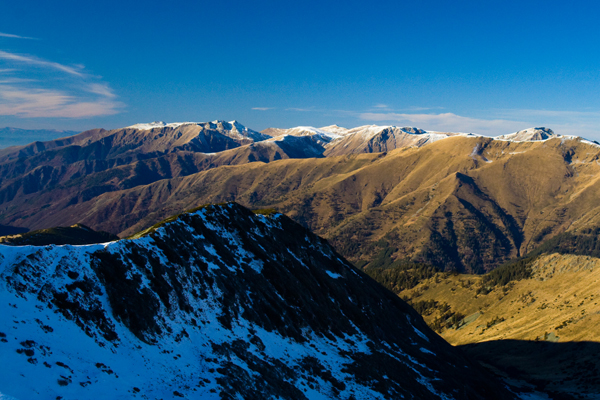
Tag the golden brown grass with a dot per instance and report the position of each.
(561, 299)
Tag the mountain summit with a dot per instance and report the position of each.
(530, 134)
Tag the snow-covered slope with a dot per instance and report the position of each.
(215, 303)
(374, 139)
(529, 134)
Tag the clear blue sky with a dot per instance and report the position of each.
(474, 66)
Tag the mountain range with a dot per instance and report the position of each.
(453, 200)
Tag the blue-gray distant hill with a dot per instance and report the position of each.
(19, 137)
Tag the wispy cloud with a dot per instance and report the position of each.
(38, 62)
(448, 122)
(301, 109)
(263, 108)
(35, 103)
(584, 123)
(32, 87)
(380, 106)
(581, 123)
(9, 35)
(548, 114)
(15, 80)
(101, 89)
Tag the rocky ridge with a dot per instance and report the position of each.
(202, 305)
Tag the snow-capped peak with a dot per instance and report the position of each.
(311, 130)
(157, 124)
(529, 134)
(335, 129)
(239, 127)
(368, 131)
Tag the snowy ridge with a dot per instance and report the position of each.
(207, 305)
(158, 124)
(334, 132)
(368, 132)
(335, 129)
(310, 131)
(335, 140)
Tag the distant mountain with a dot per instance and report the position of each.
(216, 303)
(18, 137)
(529, 135)
(337, 141)
(144, 140)
(453, 200)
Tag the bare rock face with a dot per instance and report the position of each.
(216, 303)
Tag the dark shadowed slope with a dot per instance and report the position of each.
(566, 371)
(77, 234)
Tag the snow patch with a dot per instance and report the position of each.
(333, 274)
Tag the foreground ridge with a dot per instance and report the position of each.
(218, 302)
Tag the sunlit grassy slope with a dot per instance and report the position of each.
(559, 302)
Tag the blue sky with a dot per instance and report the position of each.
(472, 66)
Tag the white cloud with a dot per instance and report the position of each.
(9, 35)
(300, 109)
(35, 103)
(548, 113)
(447, 122)
(380, 106)
(584, 123)
(102, 89)
(262, 108)
(32, 87)
(580, 123)
(41, 63)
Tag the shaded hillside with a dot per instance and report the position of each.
(565, 371)
(76, 169)
(118, 159)
(76, 235)
(10, 230)
(216, 303)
